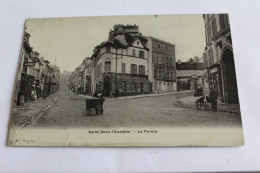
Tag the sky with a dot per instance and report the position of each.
(68, 41)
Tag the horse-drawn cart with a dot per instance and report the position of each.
(94, 106)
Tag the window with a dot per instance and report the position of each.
(159, 59)
(159, 45)
(141, 54)
(108, 66)
(167, 61)
(108, 49)
(214, 26)
(160, 86)
(171, 75)
(123, 67)
(133, 69)
(155, 58)
(166, 48)
(141, 69)
(163, 58)
(133, 53)
(223, 20)
(205, 60)
(122, 85)
(217, 55)
(171, 63)
(137, 42)
(160, 74)
(209, 32)
(210, 55)
(155, 73)
(133, 87)
(167, 77)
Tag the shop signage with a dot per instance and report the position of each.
(214, 70)
(29, 63)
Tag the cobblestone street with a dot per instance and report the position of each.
(68, 110)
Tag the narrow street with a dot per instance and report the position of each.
(68, 111)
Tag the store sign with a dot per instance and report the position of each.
(214, 70)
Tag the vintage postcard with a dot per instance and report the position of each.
(153, 80)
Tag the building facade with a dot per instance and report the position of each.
(191, 75)
(34, 76)
(121, 62)
(218, 57)
(162, 67)
(130, 62)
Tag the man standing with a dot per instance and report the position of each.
(99, 93)
(213, 98)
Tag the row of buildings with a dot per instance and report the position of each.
(218, 57)
(36, 76)
(137, 64)
(129, 62)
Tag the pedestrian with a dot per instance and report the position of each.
(116, 93)
(22, 98)
(99, 93)
(213, 98)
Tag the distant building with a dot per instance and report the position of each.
(191, 75)
(161, 64)
(218, 57)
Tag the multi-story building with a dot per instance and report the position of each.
(218, 57)
(87, 75)
(161, 65)
(122, 62)
(129, 62)
(34, 76)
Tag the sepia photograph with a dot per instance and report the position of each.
(147, 80)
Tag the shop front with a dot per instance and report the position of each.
(128, 84)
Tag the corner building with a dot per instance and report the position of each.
(122, 62)
(218, 57)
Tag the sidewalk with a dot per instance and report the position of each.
(189, 101)
(22, 116)
(142, 95)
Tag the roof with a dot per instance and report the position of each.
(162, 41)
(189, 66)
(190, 73)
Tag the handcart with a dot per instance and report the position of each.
(94, 106)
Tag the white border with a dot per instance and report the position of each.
(246, 36)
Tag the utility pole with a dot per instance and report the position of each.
(116, 72)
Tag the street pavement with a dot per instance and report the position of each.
(67, 110)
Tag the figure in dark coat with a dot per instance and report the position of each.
(116, 93)
(99, 93)
(213, 98)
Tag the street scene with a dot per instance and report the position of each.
(68, 110)
(129, 76)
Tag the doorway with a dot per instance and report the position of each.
(142, 87)
(229, 73)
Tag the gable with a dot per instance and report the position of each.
(138, 43)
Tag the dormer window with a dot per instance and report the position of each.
(137, 42)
